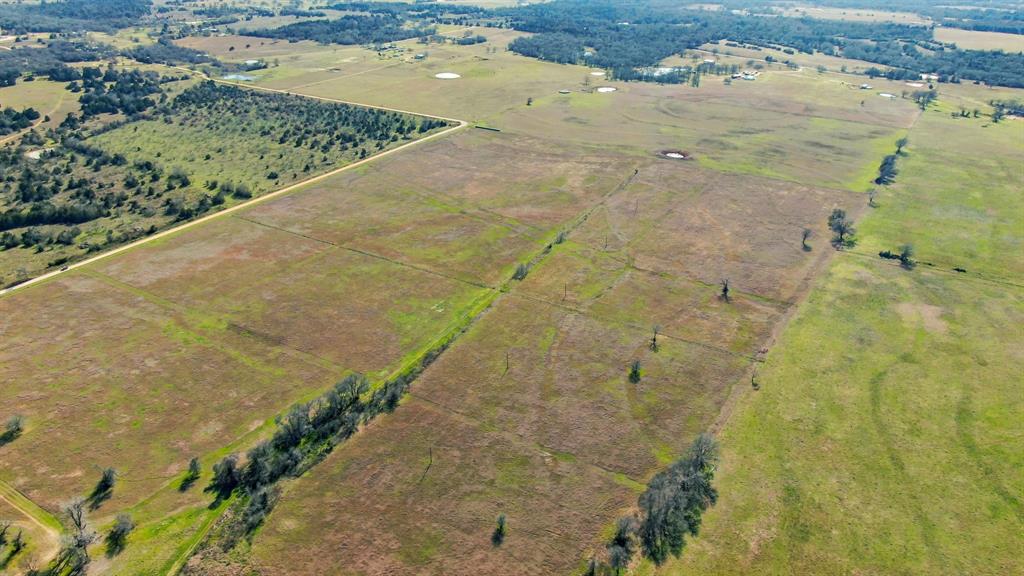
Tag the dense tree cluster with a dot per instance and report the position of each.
(349, 29)
(315, 125)
(114, 92)
(50, 59)
(675, 499)
(669, 510)
(627, 36)
(12, 120)
(164, 51)
(73, 15)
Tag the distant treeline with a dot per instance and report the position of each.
(987, 15)
(623, 35)
(52, 60)
(44, 60)
(73, 15)
(350, 29)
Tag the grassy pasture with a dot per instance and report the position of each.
(884, 437)
(269, 315)
(957, 196)
(893, 403)
(440, 210)
(289, 64)
(99, 383)
(493, 80)
(680, 220)
(360, 270)
(980, 40)
(555, 443)
(787, 126)
(413, 528)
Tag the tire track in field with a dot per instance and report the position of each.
(926, 528)
(965, 435)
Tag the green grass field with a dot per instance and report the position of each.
(884, 437)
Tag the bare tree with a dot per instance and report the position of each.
(804, 236)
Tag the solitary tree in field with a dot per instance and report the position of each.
(654, 338)
(118, 535)
(804, 236)
(104, 488)
(500, 529)
(521, 271)
(634, 372)
(907, 257)
(725, 290)
(12, 428)
(191, 476)
(841, 226)
(74, 553)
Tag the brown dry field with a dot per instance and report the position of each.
(106, 377)
(568, 333)
(678, 219)
(186, 344)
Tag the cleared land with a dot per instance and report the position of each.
(980, 40)
(855, 15)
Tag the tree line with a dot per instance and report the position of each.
(615, 35)
(349, 29)
(73, 15)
